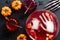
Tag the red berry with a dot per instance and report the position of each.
(42, 25)
(12, 25)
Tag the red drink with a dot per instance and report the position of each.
(42, 25)
(30, 5)
(12, 25)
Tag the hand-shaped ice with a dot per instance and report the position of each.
(49, 23)
(35, 22)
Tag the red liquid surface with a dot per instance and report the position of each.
(41, 34)
(32, 5)
(11, 25)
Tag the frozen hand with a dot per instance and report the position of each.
(35, 22)
(49, 23)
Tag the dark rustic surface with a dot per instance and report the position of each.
(19, 15)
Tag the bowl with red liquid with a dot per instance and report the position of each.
(12, 24)
(29, 6)
(42, 25)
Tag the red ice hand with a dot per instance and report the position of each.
(44, 25)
